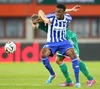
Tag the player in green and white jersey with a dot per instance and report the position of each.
(71, 36)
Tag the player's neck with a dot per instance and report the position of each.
(62, 18)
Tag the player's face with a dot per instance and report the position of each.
(60, 13)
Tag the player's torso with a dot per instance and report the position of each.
(57, 31)
(43, 27)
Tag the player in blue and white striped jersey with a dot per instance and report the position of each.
(57, 31)
(56, 40)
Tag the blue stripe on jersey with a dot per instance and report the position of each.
(64, 24)
(56, 23)
(60, 24)
(51, 32)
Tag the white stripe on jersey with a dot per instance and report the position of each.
(61, 36)
(52, 34)
(64, 36)
(48, 35)
(49, 32)
(57, 31)
(56, 36)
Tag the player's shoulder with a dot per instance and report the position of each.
(68, 16)
(50, 15)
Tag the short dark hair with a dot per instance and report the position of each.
(62, 6)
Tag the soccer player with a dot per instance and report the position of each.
(71, 36)
(56, 40)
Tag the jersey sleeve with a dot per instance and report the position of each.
(50, 15)
(68, 18)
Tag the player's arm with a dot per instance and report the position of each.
(37, 23)
(40, 26)
(35, 19)
(75, 8)
(44, 18)
(35, 26)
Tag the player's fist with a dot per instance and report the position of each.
(76, 8)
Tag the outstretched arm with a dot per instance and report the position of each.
(44, 18)
(75, 8)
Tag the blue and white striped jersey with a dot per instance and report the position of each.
(57, 31)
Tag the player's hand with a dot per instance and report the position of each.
(47, 21)
(33, 25)
(76, 8)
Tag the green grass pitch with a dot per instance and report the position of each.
(34, 75)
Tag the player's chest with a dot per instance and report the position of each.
(59, 24)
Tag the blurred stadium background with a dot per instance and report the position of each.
(15, 26)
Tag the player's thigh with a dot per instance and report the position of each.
(49, 50)
(66, 45)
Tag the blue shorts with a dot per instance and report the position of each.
(59, 46)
